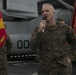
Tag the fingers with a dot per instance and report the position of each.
(42, 25)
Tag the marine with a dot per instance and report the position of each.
(53, 41)
(53, 48)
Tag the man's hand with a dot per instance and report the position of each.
(42, 25)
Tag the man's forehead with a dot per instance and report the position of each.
(44, 7)
(48, 6)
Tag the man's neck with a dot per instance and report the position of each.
(52, 22)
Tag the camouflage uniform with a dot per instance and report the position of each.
(54, 48)
(70, 65)
(3, 56)
(8, 44)
(3, 61)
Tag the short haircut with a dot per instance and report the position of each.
(50, 5)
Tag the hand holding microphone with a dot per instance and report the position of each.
(42, 25)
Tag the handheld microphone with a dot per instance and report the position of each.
(44, 18)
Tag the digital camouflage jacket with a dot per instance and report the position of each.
(53, 45)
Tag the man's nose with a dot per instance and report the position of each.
(44, 13)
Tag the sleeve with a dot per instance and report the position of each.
(35, 40)
(8, 43)
(71, 38)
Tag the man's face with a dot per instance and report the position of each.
(47, 11)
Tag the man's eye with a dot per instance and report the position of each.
(42, 11)
(47, 10)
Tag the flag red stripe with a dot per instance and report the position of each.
(2, 37)
(2, 31)
(74, 19)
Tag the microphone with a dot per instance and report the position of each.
(44, 18)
